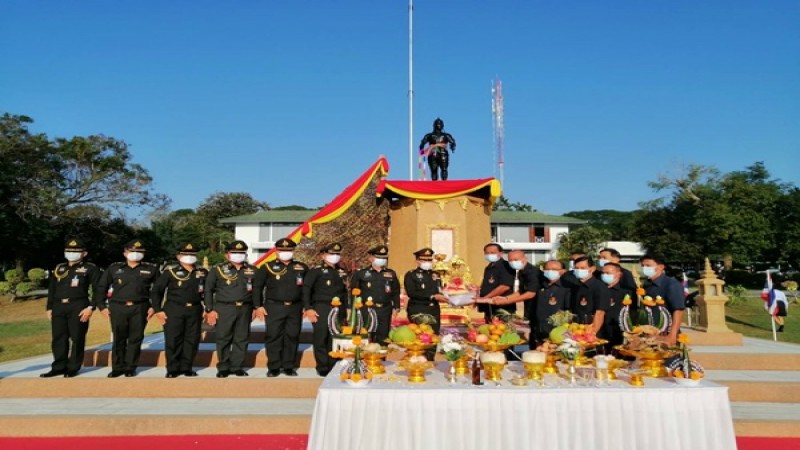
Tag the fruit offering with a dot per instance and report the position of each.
(497, 331)
(407, 334)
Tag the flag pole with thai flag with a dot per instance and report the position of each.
(770, 304)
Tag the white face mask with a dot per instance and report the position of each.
(73, 256)
(602, 262)
(492, 257)
(333, 259)
(285, 256)
(237, 258)
(427, 265)
(648, 271)
(188, 259)
(135, 256)
(379, 262)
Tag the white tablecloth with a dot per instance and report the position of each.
(390, 413)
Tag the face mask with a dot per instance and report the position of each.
(333, 259)
(237, 258)
(426, 266)
(135, 256)
(607, 278)
(648, 271)
(552, 275)
(602, 262)
(492, 257)
(285, 256)
(581, 273)
(379, 262)
(516, 265)
(73, 256)
(188, 259)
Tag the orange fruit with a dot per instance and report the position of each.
(494, 337)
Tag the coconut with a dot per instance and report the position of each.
(493, 358)
(402, 334)
(533, 357)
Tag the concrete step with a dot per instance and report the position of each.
(748, 361)
(766, 419)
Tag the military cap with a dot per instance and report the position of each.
(236, 247)
(135, 245)
(380, 251)
(333, 249)
(188, 249)
(74, 245)
(285, 245)
(424, 254)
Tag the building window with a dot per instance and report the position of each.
(538, 234)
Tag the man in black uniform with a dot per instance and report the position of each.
(127, 287)
(498, 278)
(658, 284)
(322, 284)
(552, 298)
(232, 290)
(608, 255)
(182, 314)
(424, 290)
(590, 297)
(69, 309)
(283, 309)
(381, 285)
(526, 283)
(612, 277)
(438, 140)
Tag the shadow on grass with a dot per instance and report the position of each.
(730, 319)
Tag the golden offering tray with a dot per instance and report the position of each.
(416, 370)
(374, 361)
(413, 348)
(651, 361)
(493, 370)
(493, 346)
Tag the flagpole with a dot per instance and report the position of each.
(774, 333)
(411, 90)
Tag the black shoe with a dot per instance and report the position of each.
(189, 373)
(71, 373)
(780, 329)
(272, 373)
(52, 373)
(290, 372)
(223, 374)
(173, 374)
(239, 373)
(130, 373)
(116, 373)
(323, 373)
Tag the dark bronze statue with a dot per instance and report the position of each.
(437, 142)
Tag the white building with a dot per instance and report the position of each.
(534, 233)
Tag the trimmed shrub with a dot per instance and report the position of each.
(25, 287)
(14, 277)
(736, 294)
(37, 275)
(5, 287)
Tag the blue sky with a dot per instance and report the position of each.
(292, 100)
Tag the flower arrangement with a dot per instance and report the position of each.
(570, 350)
(652, 313)
(362, 319)
(684, 367)
(451, 346)
(355, 370)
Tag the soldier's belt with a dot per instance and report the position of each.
(422, 302)
(128, 302)
(282, 302)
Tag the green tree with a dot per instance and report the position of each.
(585, 239)
(618, 223)
(504, 204)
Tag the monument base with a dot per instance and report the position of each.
(699, 336)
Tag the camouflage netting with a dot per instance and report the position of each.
(364, 225)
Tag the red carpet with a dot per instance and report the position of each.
(255, 442)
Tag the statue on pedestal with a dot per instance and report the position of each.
(437, 142)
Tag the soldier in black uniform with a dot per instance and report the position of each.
(498, 278)
(232, 290)
(69, 309)
(127, 288)
(182, 313)
(613, 277)
(322, 284)
(381, 285)
(552, 298)
(283, 308)
(424, 290)
(590, 297)
(438, 140)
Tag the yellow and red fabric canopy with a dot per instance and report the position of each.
(336, 207)
(488, 188)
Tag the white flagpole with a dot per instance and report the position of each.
(411, 89)
(774, 333)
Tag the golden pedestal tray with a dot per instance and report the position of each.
(651, 361)
(493, 370)
(413, 348)
(416, 370)
(550, 363)
(374, 361)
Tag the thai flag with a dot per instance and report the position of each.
(685, 284)
(768, 295)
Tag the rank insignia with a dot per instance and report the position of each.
(552, 301)
(584, 302)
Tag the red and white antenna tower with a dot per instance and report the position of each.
(498, 127)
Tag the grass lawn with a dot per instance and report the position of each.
(25, 331)
(751, 319)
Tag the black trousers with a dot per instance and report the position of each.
(69, 336)
(283, 334)
(182, 335)
(427, 307)
(384, 324)
(322, 339)
(438, 160)
(232, 334)
(127, 325)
